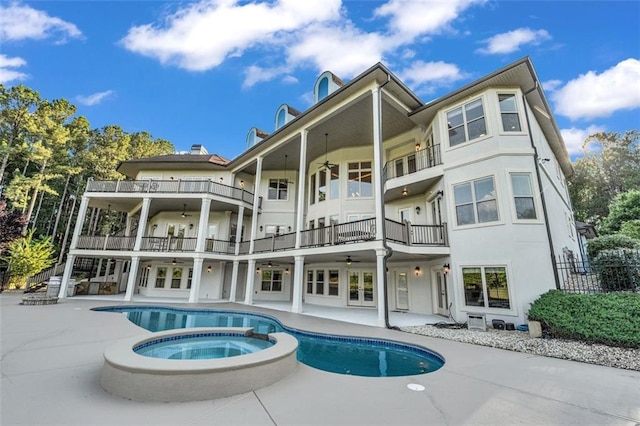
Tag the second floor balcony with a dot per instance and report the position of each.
(412, 163)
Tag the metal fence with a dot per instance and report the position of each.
(611, 271)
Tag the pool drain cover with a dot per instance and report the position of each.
(415, 387)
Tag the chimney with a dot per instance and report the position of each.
(198, 150)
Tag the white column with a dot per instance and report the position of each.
(251, 278)
(301, 186)
(239, 229)
(68, 269)
(142, 223)
(127, 228)
(377, 161)
(203, 224)
(194, 294)
(380, 271)
(234, 281)
(298, 283)
(256, 201)
(131, 280)
(77, 230)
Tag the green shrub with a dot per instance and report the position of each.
(610, 242)
(618, 270)
(611, 319)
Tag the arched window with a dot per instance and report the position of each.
(281, 118)
(323, 89)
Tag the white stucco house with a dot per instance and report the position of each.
(369, 199)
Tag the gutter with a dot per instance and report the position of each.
(536, 160)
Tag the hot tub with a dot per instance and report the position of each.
(130, 375)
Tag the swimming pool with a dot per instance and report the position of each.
(337, 354)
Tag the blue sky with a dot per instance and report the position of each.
(205, 72)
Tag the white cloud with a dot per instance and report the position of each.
(412, 18)
(600, 95)
(289, 79)
(19, 22)
(202, 35)
(95, 98)
(512, 41)
(574, 137)
(426, 76)
(551, 85)
(7, 73)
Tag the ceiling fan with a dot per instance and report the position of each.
(184, 212)
(349, 261)
(286, 181)
(326, 164)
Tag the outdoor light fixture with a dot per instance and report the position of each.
(417, 147)
(405, 191)
(191, 226)
(261, 228)
(286, 271)
(209, 268)
(270, 265)
(417, 209)
(148, 267)
(155, 226)
(289, 228)
(258, 270)
(174, 261)
(348, 260)
(417, 270)
(242, 184)
(446, 268)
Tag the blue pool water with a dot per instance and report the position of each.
(338, 354)
(202, 346)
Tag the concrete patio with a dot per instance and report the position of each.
(52, 357)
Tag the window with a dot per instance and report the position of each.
(523, 196)
(509, 113)
(309, 282)
(277, 189)
(280, 119)
(476, 202)
(334, 188)
(271, 280)
(359, 184)
(189, 278)
(312, 189)
(334, 282)
(176, 277)
(161, 277)
(486, 287)
(322, 185)
(323, 88)
(466, 123)
(320, 282)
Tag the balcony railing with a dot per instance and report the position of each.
(219, 246)
(411, 163)
(349, 232)
(170, 187)
(168, 244)
(105, 242)
(416, 235)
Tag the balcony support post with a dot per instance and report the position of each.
(239, 230)
(380, 272)
(256, 202)
(251, 278)
(377, 161)
(203, 224)
(302, 174)
(194, 294)
(142, 224)
(298, 282)
(131, 279)
(77, 230)
(234, 281)
(66, 275)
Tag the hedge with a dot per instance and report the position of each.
(612, 319)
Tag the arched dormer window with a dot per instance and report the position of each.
(284, 115)
(254, 136)
(281, 117)
(326, 84)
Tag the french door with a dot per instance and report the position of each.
(442, 296)
(402, 291)
(361, 289)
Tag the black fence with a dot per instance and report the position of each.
(611, 271)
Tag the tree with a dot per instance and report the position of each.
(28, 256)
(631, 229)
(624, 208)
(11, 224)
(610, 166)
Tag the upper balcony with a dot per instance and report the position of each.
(177, 186)
(416, 170)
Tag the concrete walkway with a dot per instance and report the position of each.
(52, 356)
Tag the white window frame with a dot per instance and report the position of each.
(280, 184)
(512, 310)
(516, 111)
(465, 122)
(360, 170)
(474, 203)
(271, 229)
(271, 281)
(534, 195)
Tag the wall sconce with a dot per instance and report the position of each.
(286, 271)
(155, 226)
(148, 267)
(221, 179)
(258, 270)
(241, 184)
(417, 147)
(417, 270)
(417, 209)
(446, 268)
(289, 228)
(209, 268)
(261, 228)
(191, 226)
(405, 191)
(170, 177)
(440, 193)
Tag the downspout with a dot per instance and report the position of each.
(388, 249)
(536, 158)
